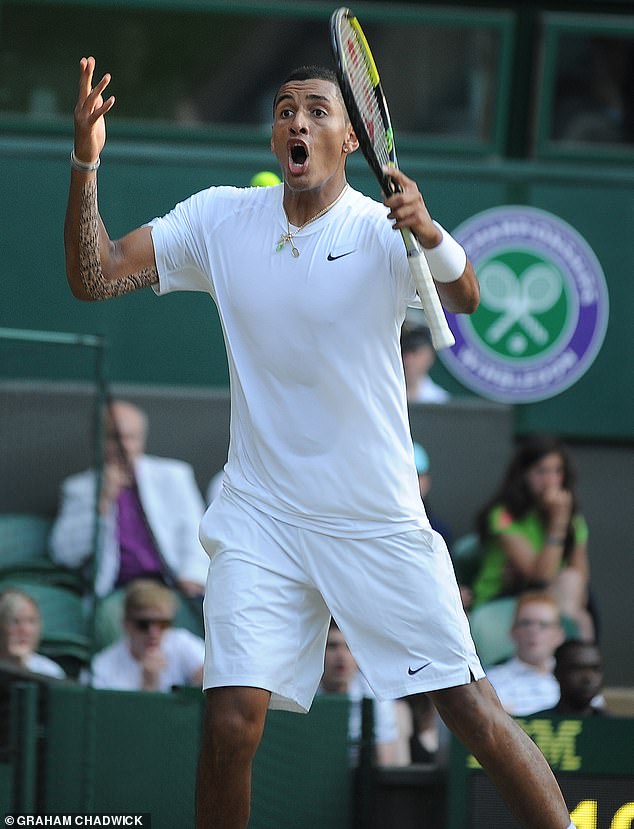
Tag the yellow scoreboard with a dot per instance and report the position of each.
(592, 758)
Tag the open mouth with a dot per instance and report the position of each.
(297, 158)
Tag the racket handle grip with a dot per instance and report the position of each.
(426, 289)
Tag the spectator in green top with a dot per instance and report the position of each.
(533, 535)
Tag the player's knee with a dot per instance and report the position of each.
(233, 727)
(233, 733)
(473, 713)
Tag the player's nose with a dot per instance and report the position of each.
(299, 123)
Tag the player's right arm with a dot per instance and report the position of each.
(96, 266)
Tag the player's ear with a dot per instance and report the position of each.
(351, 143)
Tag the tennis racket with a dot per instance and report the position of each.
(370, 118)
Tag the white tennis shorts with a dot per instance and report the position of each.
(272, 587)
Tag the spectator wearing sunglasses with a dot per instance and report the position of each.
(151, 655)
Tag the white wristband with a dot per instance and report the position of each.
(447, 260)
(83, 166)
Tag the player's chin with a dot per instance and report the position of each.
(297, 181)
(296, 171)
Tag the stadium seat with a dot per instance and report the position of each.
(24, 552)
(491, 630)
(23, 538)
(466, 554)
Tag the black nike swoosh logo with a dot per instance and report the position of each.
(332, 258)
(416, 670)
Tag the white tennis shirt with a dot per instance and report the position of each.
(319, 426)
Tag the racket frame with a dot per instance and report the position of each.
(442, 336)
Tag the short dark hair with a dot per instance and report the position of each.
(571, 645)
(309, 73)
(414, 338)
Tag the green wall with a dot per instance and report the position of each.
(114, 752)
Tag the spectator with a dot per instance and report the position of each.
(150, 506)
(526, 683)
(20, 631)
(418, 354)
(151, 656)
(579, 672)
(342, 676)
(533, 535)
(422, 735)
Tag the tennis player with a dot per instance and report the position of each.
(320, 511)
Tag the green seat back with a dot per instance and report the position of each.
(63, 616)
(466, 554)
(23, 538)
(491, 630)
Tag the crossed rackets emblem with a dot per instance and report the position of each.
(518, 298)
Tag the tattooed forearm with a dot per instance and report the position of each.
(95, 283)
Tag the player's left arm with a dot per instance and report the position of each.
(408, 210)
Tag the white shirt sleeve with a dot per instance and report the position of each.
(178, 246)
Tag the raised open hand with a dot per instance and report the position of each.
(90, 125)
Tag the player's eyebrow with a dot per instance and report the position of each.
(313, 96)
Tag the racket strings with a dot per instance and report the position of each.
(360, 68)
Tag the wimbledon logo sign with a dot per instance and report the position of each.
(543, 306)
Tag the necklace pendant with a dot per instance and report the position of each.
(288, 236)
(284, 238)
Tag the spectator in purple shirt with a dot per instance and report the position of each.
(150, 509)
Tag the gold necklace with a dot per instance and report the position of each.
(288, 236)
